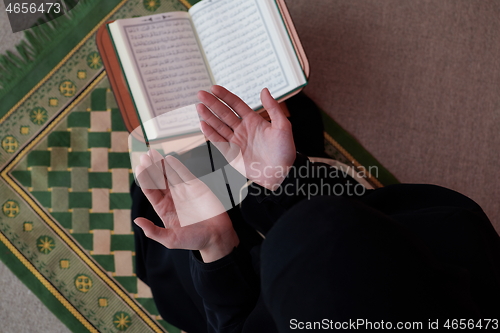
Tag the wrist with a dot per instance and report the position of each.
(287, 173)
(219, 246)
(273, 177)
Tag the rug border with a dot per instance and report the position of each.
(12, 100)
(61, 63)
(43, 289)
(35, 281)
(56, 228)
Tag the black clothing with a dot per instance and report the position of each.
(403, 252)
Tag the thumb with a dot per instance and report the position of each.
(152, 231)
(273, 108)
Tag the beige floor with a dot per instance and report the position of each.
(21, 311)
(417, 82)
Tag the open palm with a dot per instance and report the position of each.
(193, 217)
(261, 151)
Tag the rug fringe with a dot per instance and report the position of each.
(13, 66)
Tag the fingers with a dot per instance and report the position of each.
(233, 101)
(154, 176)
(172, 176)
(278, 118)
(219, 108)
(155, 157)
(210, 133)
(218, 141)
(153, 231)
(148, 187)
(224, 147)
(215, 123)
(150, 176)
(180, 169)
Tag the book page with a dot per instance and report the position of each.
(244, 48)
(164, 67)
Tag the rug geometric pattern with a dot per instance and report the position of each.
(80, 174)
(64, 195)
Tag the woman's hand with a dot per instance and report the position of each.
(193, 217)
(261, 151)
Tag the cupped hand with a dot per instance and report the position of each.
(261, 151)
(193, 217)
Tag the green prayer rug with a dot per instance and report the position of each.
(65, 227)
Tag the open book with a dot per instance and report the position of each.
(243, 45)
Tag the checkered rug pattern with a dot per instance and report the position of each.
(64, 194)
(80, 173)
